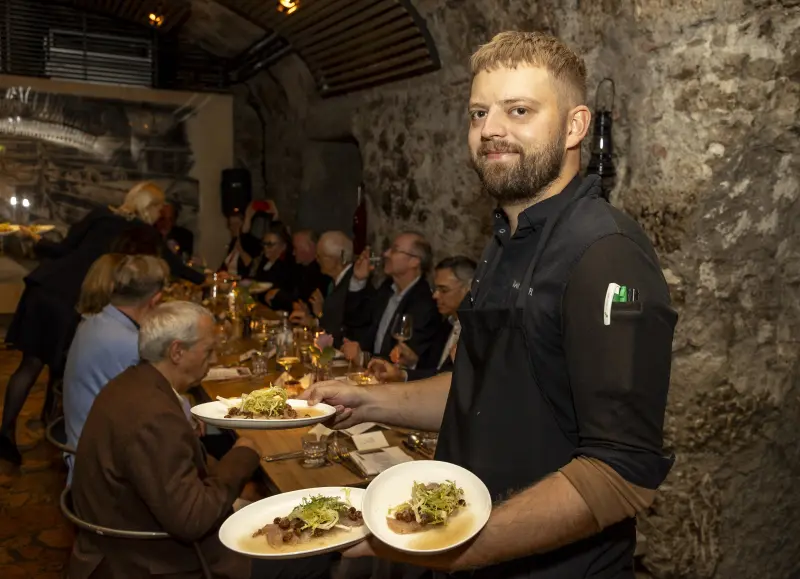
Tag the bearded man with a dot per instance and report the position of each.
(559, 389)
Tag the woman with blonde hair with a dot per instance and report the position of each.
(46, 318)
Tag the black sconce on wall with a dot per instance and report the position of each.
(601, 161)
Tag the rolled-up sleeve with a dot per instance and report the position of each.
(619, 378)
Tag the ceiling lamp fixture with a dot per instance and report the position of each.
(288, 6)
(156, 20)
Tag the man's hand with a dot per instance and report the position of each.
(270, 295)
(385, 371)
(35, 237)
(402, 354)
(350, 401)
(362, 266)
(317, 301)
(454, 560)
(351, 351)
(245, 442)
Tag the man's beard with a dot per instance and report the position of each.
(527, 177)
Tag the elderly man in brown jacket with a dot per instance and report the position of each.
(140, 466)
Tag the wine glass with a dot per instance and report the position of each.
(403, 329)
(287, 356)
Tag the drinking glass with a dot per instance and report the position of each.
(259, 363)
(314, 451)
(287, 356)
(403, 328)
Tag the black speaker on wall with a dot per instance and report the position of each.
(236, 191)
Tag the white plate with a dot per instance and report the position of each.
(237, 531)
(11, 231)
(393, 487)
(260, 287)
(213, 413)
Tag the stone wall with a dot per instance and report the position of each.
(706, 138)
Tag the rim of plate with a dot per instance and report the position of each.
(328, 411)
(227, 536)
(375, 515)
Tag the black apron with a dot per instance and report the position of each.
(499, 424)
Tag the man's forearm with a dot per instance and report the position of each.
(542, 518)
(415, 405)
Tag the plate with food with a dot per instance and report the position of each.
(297, 524)
(39, 229)
(259, 287)
(8, 229)
(263, 409)
(426, 506)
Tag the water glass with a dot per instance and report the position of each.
(314, 451)
(259, 362)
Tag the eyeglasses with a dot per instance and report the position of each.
(393, 249)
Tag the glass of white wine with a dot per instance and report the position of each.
(287, 356)
(403, 329)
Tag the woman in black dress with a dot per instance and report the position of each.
(46, 317)
(275, 265)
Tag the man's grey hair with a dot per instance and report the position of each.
(461, 266)
(336, 244)
(422, 249)
(167, 323)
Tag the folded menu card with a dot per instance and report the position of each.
(220, 373)
(376, 462)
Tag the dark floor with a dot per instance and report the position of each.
(35, 539)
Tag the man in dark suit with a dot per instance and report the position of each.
(307, 277)
(334, 254)
(452, 280)
(140, 466)
(372, 315)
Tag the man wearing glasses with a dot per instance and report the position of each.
(452, 280)
(372, 315)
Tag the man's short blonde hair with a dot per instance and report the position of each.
(512, 49)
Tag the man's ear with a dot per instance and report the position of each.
(579, 120)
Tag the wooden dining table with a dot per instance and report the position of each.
(290, 474)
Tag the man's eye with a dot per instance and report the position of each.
(519, 111)
(475, 115)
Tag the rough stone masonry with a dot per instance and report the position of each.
(706, 135)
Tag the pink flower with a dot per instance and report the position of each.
(324, 341)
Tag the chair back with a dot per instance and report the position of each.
(56, 435)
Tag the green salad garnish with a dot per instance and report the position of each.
(267, 402)
(432, 503)
(321, 512)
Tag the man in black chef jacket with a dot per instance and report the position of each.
(561, 376)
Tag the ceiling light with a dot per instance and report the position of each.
(288, 6)
(155, 20)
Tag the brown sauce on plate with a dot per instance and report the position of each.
(261, 545)
(441, 536)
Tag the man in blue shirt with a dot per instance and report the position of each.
(106, 343)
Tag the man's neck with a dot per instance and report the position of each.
(405, 280)
(512, 210)
(133, 312)
(168, 371)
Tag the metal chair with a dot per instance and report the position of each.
(69, 513)
(56, 434)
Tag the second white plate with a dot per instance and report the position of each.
(213, 413)
(393, 487)
(237, 531)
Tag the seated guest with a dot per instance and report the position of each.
(335, 257)
(308, 274)
(98, 284)
(106, 343)
(452, 280)
(370, 314)
(243, 248)
(274, 265)
(139, 465)
(179, 239)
